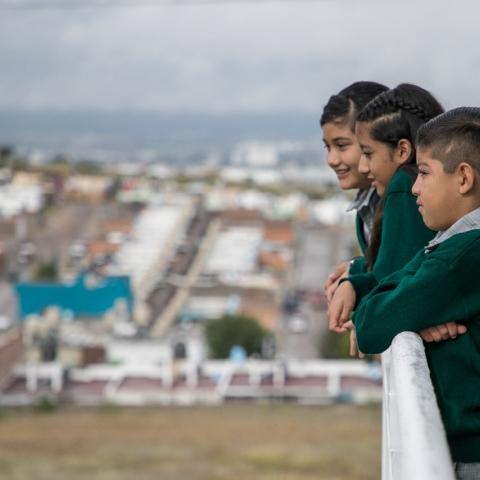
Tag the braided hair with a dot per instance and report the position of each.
(393, 116)
(344, 106)
(398, 114)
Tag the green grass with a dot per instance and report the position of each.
(261, 442)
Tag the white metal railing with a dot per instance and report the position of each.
(414, 444)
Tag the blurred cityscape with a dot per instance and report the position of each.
(112, 272)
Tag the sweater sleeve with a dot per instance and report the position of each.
(358, 265)
(409, 301)
(363, 284)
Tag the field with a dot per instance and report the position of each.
(248, 442)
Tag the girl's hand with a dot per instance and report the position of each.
(341, 307)
(331, 283)
(353, 341)
(442, 332)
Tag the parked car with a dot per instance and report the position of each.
(26, 252)
(297, 324)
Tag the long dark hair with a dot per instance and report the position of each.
(395, 115)
(345, 105)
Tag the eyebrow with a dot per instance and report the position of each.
(337, 139)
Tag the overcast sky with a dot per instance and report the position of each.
(265, 57)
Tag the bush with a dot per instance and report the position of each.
(230, 330)
(45, 404)
(47, 272)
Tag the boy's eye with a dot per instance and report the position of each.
(342, 147)
(327, 147)
(422, 173)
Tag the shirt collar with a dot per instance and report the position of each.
(362, 199)
(470, 221)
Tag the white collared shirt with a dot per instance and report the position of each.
(470, 221)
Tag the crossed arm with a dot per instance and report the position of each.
(408, 302)
(341, 308)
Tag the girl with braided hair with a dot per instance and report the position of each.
(343, 155)
(386, 129)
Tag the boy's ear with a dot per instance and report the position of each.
(403, 151)
(466, 178)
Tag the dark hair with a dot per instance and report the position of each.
(393, 116)
(453, 137)
(398, 114)
(344, 106)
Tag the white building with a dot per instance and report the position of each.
(153, 239)
(255, 154)
(235, 251)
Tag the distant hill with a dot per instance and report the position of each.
(75, 130)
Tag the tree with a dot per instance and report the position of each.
(47, 272)
(88, 167)
(229, 330)
(6, 151)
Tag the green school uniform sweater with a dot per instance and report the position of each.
(432, 289)
(403, 234)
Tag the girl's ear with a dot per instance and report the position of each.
(403, 151)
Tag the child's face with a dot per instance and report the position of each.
(343, 156)
(377, 160)
(437, 193)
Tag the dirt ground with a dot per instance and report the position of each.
(261, 442)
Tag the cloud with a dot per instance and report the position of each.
(219, 58)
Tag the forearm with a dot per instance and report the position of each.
(363, 284)
(408, 304)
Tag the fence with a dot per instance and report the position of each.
(414, 443)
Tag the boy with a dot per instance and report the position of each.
(441, 285)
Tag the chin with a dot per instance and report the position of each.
(431, 225)
(350, 183)
(347, 184)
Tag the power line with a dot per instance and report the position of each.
(93, 4)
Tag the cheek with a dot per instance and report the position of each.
(435, 205)
(382, 169)
(351, 158)
(375, 167)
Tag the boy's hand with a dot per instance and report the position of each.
(341, 307)
(331, 282)
(442, 332)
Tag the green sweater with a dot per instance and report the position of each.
(403, 234)
(432, 289)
